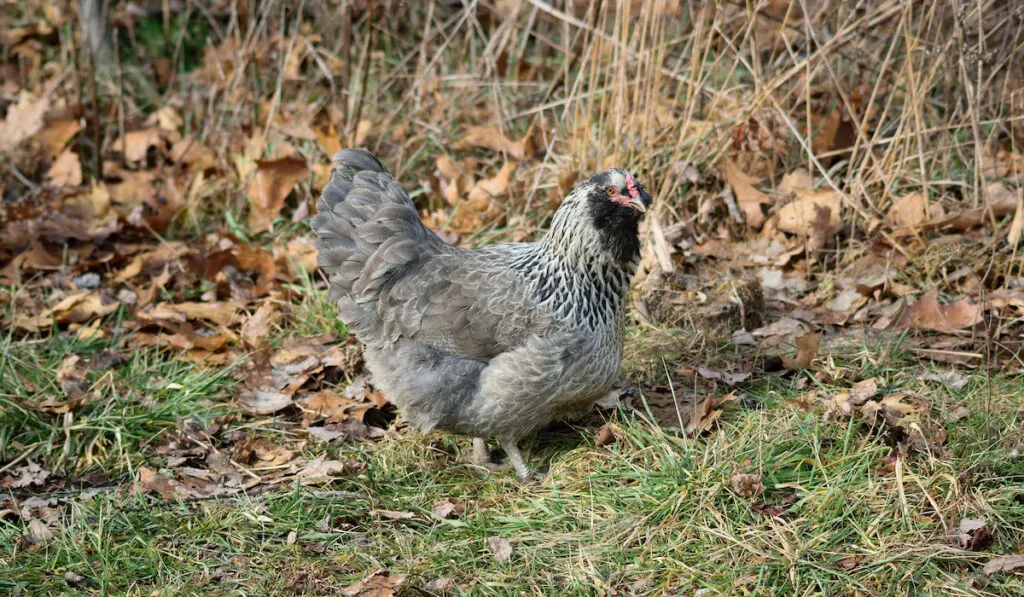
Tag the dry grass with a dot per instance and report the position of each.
(875, 99)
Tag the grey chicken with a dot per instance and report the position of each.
(493, 342)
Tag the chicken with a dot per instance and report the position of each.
(494, 342)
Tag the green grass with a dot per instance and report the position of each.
(652, 511)
(127, 405)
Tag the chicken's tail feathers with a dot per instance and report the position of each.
(349, 162)
(368, 232)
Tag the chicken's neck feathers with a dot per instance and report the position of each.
(572, 272)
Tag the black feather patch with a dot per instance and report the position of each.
(618, 225)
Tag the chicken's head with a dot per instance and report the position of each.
(615, 203)
(616, 192)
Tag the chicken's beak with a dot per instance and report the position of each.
(636, 203)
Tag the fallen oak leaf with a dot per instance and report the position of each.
(800, 215)
(136, 144)
(149, 481)
(274, 181)
(750, 199)
(928, 314)
(806, 350)
(77, 308)
(379, 584)
(256, 327)
(491, 137)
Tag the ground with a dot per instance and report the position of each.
(822, 382)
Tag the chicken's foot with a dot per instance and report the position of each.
(511, 447)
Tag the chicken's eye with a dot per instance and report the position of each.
(612, 191)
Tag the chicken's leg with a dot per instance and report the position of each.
(515, 457)
(481, 457)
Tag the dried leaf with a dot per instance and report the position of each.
(255, 328)
(491, 138)
(57, 134)
(323, 469)
(806, 350)
(491, 188)
(136, 144)
(928, 314)
(800, 216)
(500, 548)
(77, 308)
(66, 170)
(379, 584)
(972, 534)
(605, 435)
(24, 119)
(265, 400)
(26, 476)
(274, 181)
(334, 407)
(747, 485)
(1008, 563)
(193, 152)
(449, 508)
(956, 414)
(862, 391)
(750, 199)
(150, 481)
(908, 210)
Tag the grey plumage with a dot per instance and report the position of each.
(493, 342)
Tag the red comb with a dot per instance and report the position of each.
(631, 186)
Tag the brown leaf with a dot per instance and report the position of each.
(449, 508)
(77, 308)
(379, 584)
(26, 476)
(24, 119)
(1016, 230)
(136, 144)
(797, 181)
(491, 138)
(57, 134)
(928, 314)
(749, 198)
(956, 414)
(150, 481)
(806, 350)
(488, 189)
(972, 534)
(322, 469)
(334, 407)
(256, 327)
(701, 417)
(66, 170)
(274, 180)
(265, 400)
(193, 152)
(862, 391)
(223, 313)
(1008, 563)
(908, 210)
(747, 485)
(800, 216)
(500, 548)
(605, 435)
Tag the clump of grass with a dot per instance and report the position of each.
(126, 407)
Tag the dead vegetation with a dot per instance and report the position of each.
(838, 202)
